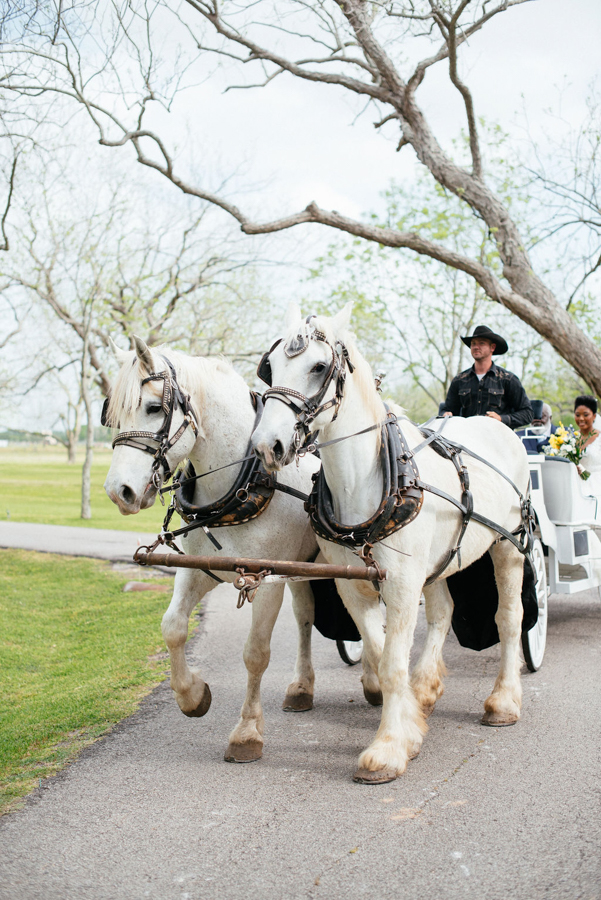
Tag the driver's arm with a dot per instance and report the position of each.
(452, 405)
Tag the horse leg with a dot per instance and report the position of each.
(299, 694)
(191, 692)
(504, 704)
(362, 602)
(426, 679)
(402, 725)
(246, 740)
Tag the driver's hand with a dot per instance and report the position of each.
(494, 415)
(446, 414)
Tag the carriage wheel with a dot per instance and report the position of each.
(534, 641)
(350, 651)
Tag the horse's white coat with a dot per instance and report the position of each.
(352, 473)
(226, 418)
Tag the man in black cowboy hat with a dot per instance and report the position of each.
(486, 389)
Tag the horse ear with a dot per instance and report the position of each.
(119, 354)
(293, 315)
(342, 320)
(143, 354)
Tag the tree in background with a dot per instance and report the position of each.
(412, 312)
(97, 262)
(373, 51)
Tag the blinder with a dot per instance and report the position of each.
(264, 367)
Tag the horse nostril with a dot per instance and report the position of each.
(127, 495)
(278, 450)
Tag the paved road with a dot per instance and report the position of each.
(152, 811)
(100, 543)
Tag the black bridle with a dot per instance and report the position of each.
(306, 409)
(160, 442)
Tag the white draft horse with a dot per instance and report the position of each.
(224, 417)
(299, 364)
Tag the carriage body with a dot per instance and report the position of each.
(567, 517)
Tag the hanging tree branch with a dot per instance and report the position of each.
(343, 26)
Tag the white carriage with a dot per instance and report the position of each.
(567, 552)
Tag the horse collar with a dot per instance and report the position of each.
(401, 502)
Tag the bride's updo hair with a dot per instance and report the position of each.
(586, 400)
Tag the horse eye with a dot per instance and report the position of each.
(318, 368)
(153, 409)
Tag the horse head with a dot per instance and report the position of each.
(157, 426)
(306, 372)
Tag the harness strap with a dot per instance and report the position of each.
(433, 436)
(478, 517)
(316, 446)
(490, 465)
(467, 508)
(286, 489)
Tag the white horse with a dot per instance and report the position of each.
(224, 414)
(354, 477)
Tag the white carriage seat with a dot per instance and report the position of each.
(567, 499)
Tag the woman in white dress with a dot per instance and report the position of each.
(585, 412)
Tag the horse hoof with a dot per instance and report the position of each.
(381, 776)
(373, 697)
(244, 753)
(203, 707)
(427, 710)
(495, 720)
(298, 702)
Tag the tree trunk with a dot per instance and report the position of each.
(86, 508)
(71, 447)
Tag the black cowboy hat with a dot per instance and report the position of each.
(483, 331)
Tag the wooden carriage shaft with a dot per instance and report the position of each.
(305, 570)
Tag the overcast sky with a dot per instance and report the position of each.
(302, 142)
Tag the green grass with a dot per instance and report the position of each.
(76, 656)
(38, 485)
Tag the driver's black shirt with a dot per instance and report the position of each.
(498, 391)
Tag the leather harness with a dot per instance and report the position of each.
(248, 497)
(403, 490)
(253, 489)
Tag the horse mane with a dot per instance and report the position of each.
(192, 375)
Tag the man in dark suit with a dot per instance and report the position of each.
(537, 435)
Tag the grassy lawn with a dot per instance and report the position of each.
(76, 656)
(38, 485)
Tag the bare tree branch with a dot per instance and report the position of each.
(11, 184)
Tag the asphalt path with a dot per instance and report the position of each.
(153, 811)
(98, 543)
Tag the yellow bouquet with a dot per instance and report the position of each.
(568, 443)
